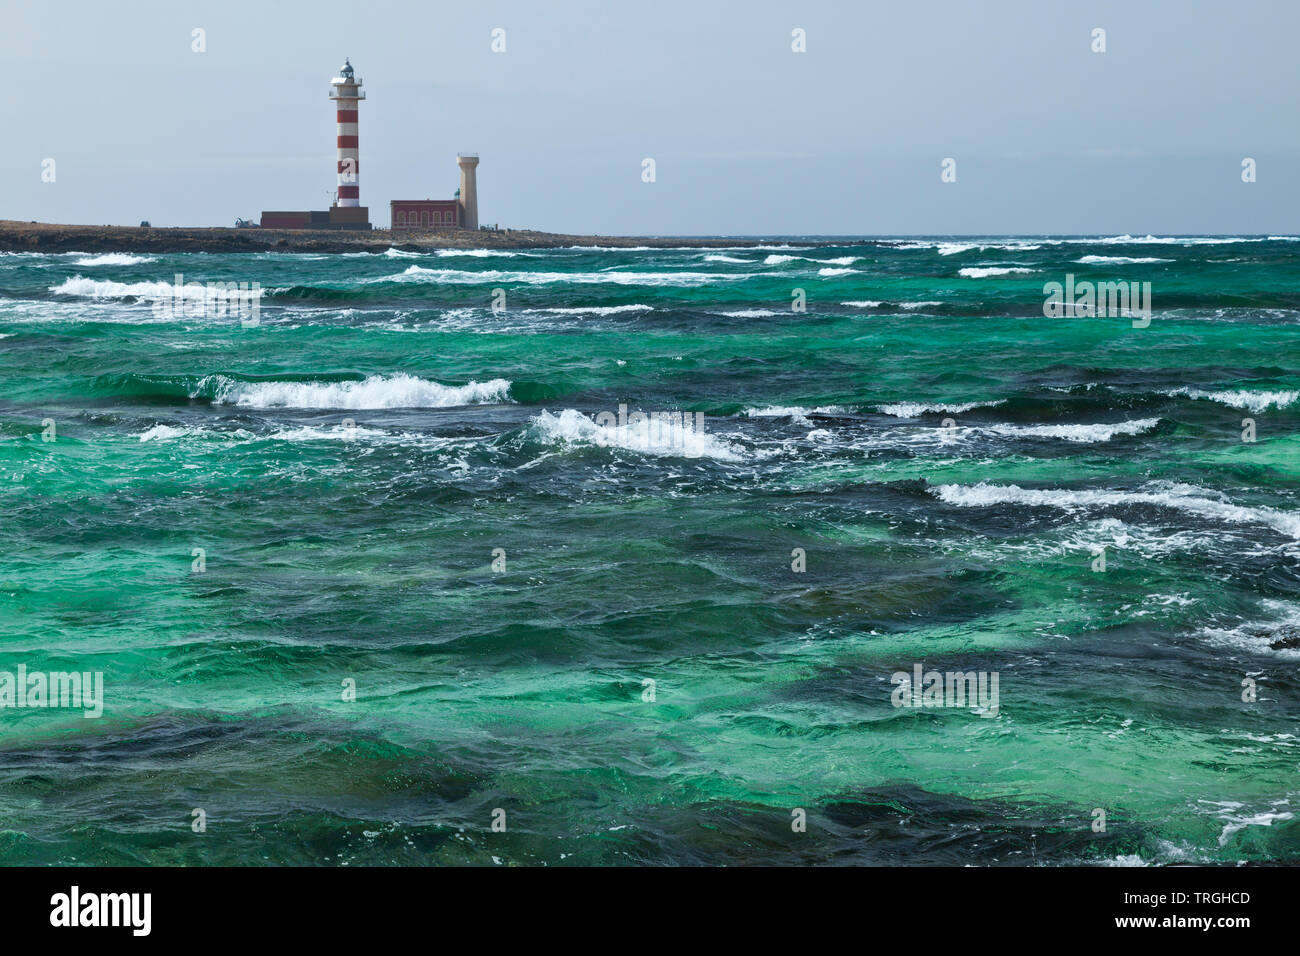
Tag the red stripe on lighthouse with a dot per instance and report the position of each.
(347, 116)
(345, 141)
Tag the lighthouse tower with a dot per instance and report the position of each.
(345, 90)
(346, 212)
(468, 163)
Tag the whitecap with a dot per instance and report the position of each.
(652, 436)
(598, 309)
(421, 274)
(1099, 432)
(1188, 498)
(983, 272)
(114, 259)
(796, 413)
(1120, 260)
(376, 391)
(1255, 401)
(915, 409)
(165, 433)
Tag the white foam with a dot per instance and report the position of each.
(1255, 401)
(479, 253)
(948, 247)
(796, 413)
(721, 258)
(1150, 542)
(1178, 497)
(863, 304)
(1127, 240)
(1076, 433)
(108, 289)
(918, 305)
(836, 272)
(983, 272)
(1120, 260)
(650, 436)
(956, 248)
(599, 309)
(377, 391)
(915, 409)
(421, 274)
(1236, 817)
(838, 261)
(1258, 636)
(114, 259)
(165, 433)
(189, 296)
(750, 313)
(759, 247)
(318, 433)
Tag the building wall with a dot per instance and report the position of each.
(336, 217)
(424, 214)
(286, 220)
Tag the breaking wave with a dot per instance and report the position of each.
(1099, 432)
(796, 413)
(1188, 498)
(1242, 398)
(650, 436)
(114, 259)
(1120, 260)
(423, 274)
(837, 261)
(983, 272)
(107, 289)
(376, 391)
(916, 409)
(598, 309)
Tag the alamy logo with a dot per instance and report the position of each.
(194, 300)
(73, 909)
(650, 430)
(82, 690)
(922, 688)
(1102, 299)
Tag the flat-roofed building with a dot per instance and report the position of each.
(424, 214)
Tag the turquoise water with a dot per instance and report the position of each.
(948, 459)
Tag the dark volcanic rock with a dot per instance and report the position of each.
(54, 237)
(1286, 638)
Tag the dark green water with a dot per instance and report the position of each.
(349, 465)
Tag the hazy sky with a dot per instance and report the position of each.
(748, 137)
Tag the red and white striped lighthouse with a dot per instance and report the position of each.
(346, 91)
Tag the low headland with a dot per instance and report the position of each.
(18, 236)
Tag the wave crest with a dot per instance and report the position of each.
(660, 436)
(376, 391)
(1188, 498)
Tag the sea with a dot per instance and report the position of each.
(834, 551)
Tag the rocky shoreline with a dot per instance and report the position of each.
(55, 237)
